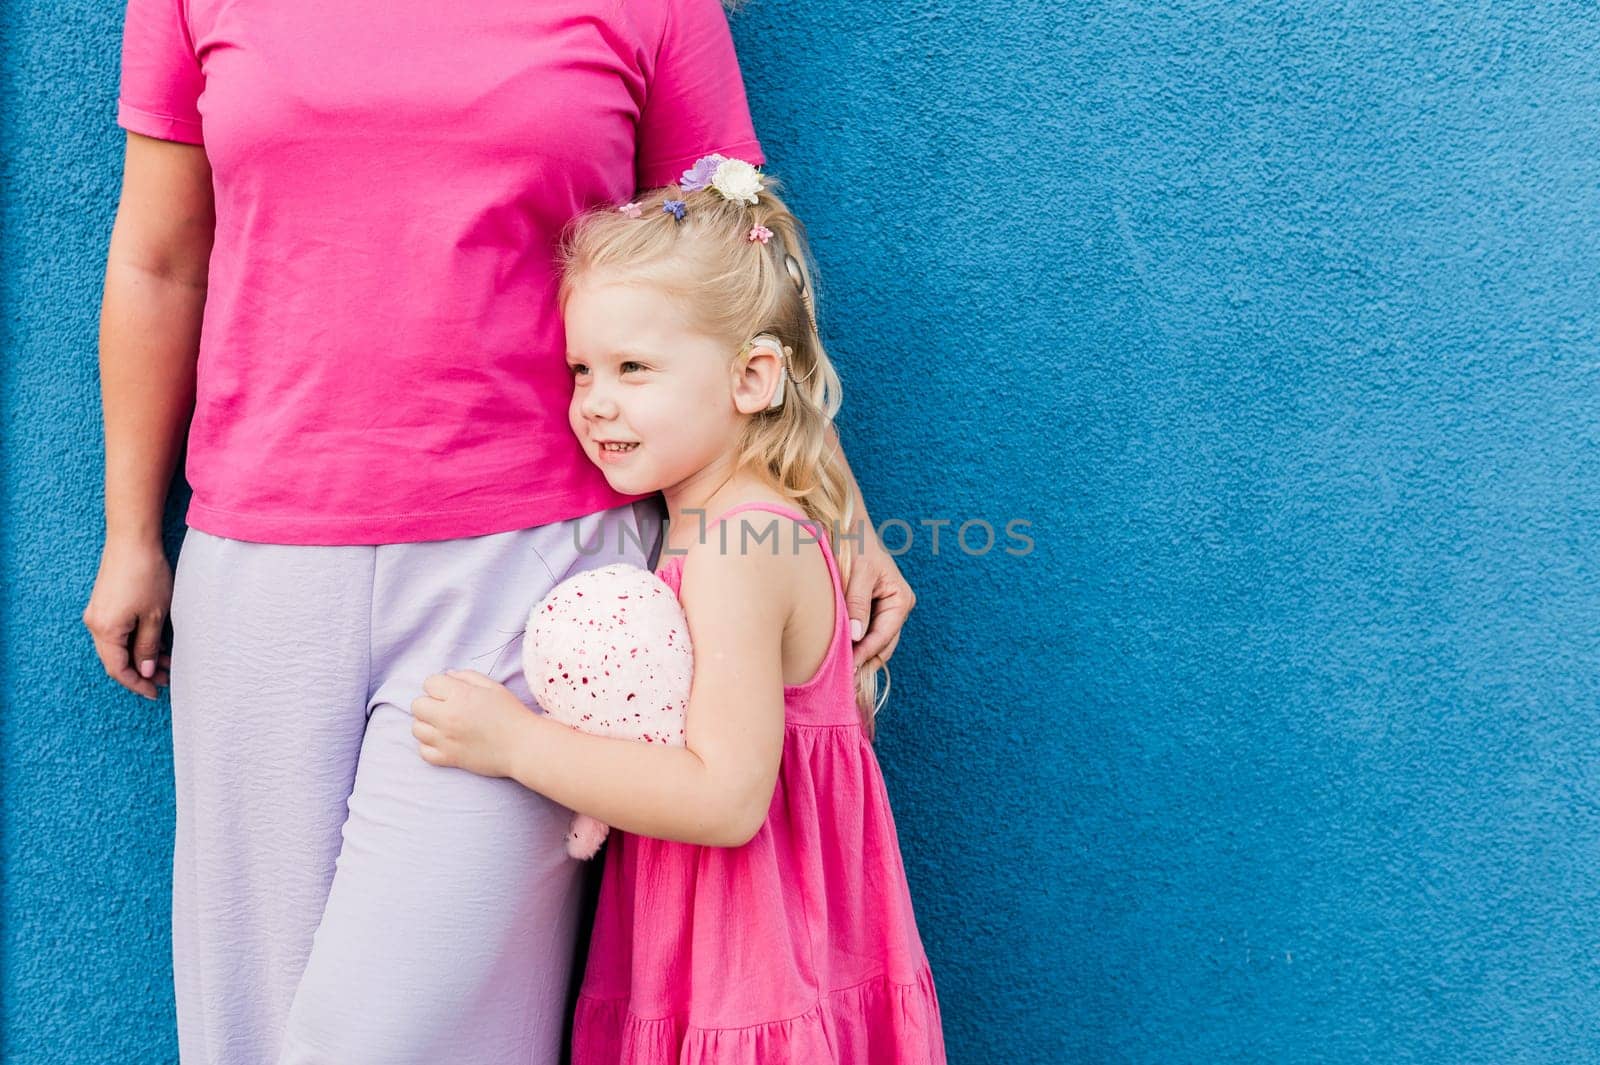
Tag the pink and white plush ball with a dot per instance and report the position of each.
(608, 653)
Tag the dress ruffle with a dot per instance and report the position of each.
(874, 1023)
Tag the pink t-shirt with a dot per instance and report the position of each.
(381, 359)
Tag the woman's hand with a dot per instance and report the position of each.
(879, 600)
(469, 721)
(127, 613)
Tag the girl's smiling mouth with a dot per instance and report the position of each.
(611, 451)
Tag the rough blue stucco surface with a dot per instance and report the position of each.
(1278, 322)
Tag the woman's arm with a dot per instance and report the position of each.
(150, 315)
(715, 791)
(878, 597)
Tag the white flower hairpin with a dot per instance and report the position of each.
(736, 180)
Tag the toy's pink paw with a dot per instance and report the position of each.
(585, 836)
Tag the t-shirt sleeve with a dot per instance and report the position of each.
(694, 99)
(161, 79)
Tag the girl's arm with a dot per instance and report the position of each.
(715, 791)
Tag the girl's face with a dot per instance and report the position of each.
(645, 378)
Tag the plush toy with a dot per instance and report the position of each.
(608, 653)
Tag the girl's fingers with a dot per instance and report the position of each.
(439, 685)
(473, 677)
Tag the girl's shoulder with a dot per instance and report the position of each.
(760, 539)
(753, 523)
(766, 559)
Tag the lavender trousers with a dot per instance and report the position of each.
(335, 898)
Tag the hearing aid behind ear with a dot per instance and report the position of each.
(773, 344)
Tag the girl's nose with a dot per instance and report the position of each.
(597, 400)
(597, 403)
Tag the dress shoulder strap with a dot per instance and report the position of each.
(818, 533)
(839, 645)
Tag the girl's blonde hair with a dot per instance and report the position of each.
(737, 287)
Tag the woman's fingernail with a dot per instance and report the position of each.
(857, 629)
(147, 668)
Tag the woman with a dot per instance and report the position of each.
(362, 201)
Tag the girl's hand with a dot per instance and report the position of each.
(880, 595)
(469, 721)
(127, 613)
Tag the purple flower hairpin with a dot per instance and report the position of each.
(632, 210)
(734, 179)
(700, 174)
(674, 207)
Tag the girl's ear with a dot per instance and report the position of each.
(757, 375)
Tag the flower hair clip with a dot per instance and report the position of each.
(700, 174)
(674, 207)
(631, 210)
(734, 179)
(758, 233)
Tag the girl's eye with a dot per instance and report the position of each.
(578, 369)
(635, 365)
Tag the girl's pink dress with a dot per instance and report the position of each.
(799, 946)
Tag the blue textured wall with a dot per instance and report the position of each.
(1277, 319)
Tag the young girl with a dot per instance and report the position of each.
(754, 905)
